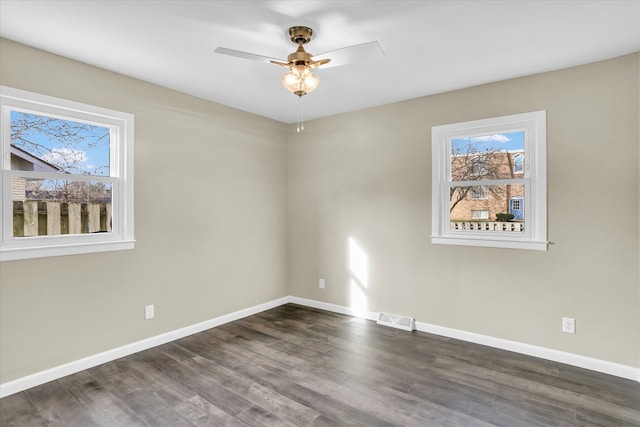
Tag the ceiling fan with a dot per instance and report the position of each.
(300, 79)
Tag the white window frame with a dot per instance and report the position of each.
(534, 179)
(121, 127)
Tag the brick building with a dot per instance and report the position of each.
(483, 202)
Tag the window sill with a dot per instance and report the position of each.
(536, 245)
(12, 254)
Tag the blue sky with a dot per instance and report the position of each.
(88, 153)
(502, 141)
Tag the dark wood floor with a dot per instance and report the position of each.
(296, 366)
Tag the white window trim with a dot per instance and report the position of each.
(534, 179)
(122, 130)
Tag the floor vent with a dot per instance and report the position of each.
(396, 321)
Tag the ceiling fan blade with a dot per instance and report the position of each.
(320, 62)
(359, 53)
(282, 64)
(245, 55)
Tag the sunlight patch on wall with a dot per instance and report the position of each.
(358, 269)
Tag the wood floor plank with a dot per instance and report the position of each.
(58, 407)
(206, 387)
(213, 348)
(169, 390)
(103, 407)
(554, 395)
(299, 366)
(259, 417)
(342, 412)
(264, 397)
(203, 413)
(18, 410)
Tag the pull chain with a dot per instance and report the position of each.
(300, 115)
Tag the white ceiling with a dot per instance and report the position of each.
(430, 46)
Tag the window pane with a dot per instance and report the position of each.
(479, 193)
(475, 214)
(502, 204)
(41, 143)
(487, 156)
(47, 207)
(518, 163)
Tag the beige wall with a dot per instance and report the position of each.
(366, 176)
(210, 204)
(261, 197)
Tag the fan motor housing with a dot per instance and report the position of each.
(299, 57)
(300, 34)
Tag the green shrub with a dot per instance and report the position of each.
(504, 217)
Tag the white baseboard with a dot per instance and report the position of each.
(369, 315)
(590, 363)
(42, 377)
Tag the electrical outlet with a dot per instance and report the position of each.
(321, 283)
(149, 312)
(568, 325)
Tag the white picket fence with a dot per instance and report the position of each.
(487, 226)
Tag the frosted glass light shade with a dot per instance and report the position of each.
(300, 80)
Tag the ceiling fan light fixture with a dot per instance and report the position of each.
(300, 80)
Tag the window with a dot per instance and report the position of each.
(479, 214)
(479, 193)
(518, 163)
(477, 176)
(479, 165)
(67, 177)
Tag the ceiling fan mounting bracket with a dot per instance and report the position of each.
(300, 34)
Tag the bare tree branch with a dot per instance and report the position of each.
(470, 164)
(63, 143)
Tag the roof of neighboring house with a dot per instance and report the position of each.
(42, 164)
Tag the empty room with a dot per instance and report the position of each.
(320, 213)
